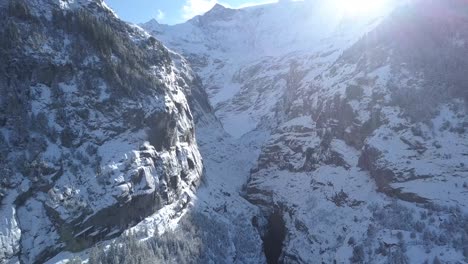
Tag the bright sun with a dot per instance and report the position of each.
(361, 7)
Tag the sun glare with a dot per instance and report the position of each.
(361, 7)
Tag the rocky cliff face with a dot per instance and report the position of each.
(96, 132)
(365, 120)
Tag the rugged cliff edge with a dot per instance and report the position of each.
(95, 129)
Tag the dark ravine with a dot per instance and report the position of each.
(274, 237)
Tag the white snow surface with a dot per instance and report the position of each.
(237, 52)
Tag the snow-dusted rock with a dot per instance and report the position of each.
(96, 132)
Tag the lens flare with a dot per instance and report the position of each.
(361, 7)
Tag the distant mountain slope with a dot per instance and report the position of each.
(231, 48)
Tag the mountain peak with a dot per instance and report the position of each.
(153, 26)
(217, 9)
(217, 6)
(218, 12)
(153, 22)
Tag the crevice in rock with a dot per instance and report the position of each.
(274, 236)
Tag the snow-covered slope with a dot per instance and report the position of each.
(231, 48)
(96, 132)
(365, 117)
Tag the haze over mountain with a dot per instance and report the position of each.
(294, 132)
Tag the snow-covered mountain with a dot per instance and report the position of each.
(326, 137)
(363, 122)
(96, 132)
(232, 49)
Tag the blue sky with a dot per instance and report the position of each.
(170, 11)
